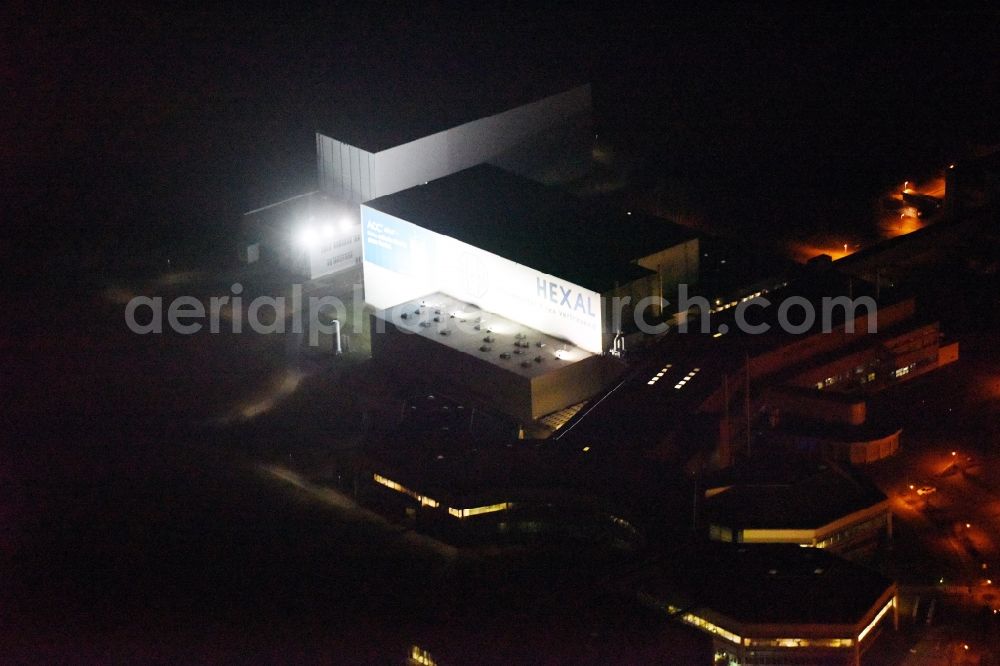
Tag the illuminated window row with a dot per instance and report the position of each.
(881, 614)
(427, 501)
(871, 525)
(705, 625)
(688, 377)
(719, 306)
(655, 378)
(388, 483)
(799, 642)
(475, 511)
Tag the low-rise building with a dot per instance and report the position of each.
(819, 505)
(771, 604)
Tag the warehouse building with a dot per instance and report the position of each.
(521, 250)
(369, 153)
(530, 261)
(361, 159)
(310, 235)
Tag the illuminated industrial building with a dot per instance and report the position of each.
(310, 235)
(771, 604)
(464, 350)
(541, 271)
(374, 150)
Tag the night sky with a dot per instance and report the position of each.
(153, 129)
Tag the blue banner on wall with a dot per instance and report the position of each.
(389, 242)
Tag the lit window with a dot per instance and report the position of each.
(388, 483)
(705, 625)
(655, 378)
(420, 656)
(799, 642)
(475, 511)
(871, 625)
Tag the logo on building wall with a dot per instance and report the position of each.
(566, 297)
(389, 243)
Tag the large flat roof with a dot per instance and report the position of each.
(784, 494)
(485, 335)
(536, 225)
(390, 113)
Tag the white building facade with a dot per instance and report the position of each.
(537, 140)
(546, 140)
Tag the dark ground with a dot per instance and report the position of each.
(138, 526)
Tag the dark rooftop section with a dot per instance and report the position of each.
(789, 494)
(535, 225)
(766, 584)
(389, 113)
(646, 414)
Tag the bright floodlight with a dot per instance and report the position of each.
(307, 237)
(328, 230)
(346, 224)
